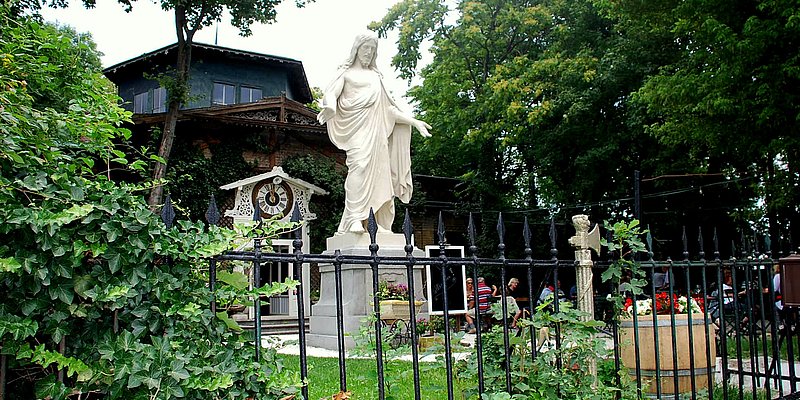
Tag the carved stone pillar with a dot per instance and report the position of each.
(584, 242)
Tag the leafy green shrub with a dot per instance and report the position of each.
(555, 373)
(94, 285)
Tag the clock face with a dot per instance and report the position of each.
(273, 198)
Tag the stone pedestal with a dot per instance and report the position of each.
(357, 300)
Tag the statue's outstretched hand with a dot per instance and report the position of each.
(325, 114)
(422, 127)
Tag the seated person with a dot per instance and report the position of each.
(549, 291)
(512, 306)
(661, 279)
(728, 303)
(470, 294)
(776, 287)
(484, 294)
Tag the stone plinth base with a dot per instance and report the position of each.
(357, 300)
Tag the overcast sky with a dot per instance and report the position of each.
(319, 35)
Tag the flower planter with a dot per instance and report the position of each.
(393, 310)
(685, 352)
(426, 342)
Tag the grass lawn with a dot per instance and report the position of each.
(362, 378)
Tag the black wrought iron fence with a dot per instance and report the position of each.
(721, 330)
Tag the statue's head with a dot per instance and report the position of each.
(362, 39)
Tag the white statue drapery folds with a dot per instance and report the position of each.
(364, 121)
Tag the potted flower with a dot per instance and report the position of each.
(427, 332)
(656, 321)
(671, 318)
(664, 305)
(393, 299)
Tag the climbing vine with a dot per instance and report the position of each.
(100, 299)
(193, 178)
(326, 174)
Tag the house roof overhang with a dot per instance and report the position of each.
(278, 113)
(276, 172)
(295, 68)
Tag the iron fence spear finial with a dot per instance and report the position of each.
(553, 249)
(440, 230)
(700, 243)
(168, 213)
(408, 230)
(471, 229)
(501, 233)
(372, 227)
(526, 235)
(685, 244)
(212, 214)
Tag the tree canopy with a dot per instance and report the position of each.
(550, 106)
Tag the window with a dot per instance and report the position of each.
(249, 94)
(223, 94)
(159, 100)
(140, 103)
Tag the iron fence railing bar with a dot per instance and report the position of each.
(3, 373)
(636, 353)
(212, 217)
(372, 229)
(687, 264)
(791, 318)
(448, 351)
(257, 298)
(737, 325)
(337, 276)
(689, 318)
(674, 336)
(408, 230)
(750, 326)
(615, 336)
(556, 298)
(521, 264)
(501, 250)
(723, 346)
(526, 235)
(656, 333)
(707, 324)
(297, 243)
(763, 330)
(212, 283)
(473, 250)
(775, 334)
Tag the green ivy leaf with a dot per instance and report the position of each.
(134, 380)
(9, 264)
(38, 303)
(18, 327)
(230, 323)
(63, 291)
(50, 388)
(237, 280)
(113, 261)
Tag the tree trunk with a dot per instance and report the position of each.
(175, 100)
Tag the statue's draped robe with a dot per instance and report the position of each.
(378, 150)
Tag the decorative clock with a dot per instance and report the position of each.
(274, 197)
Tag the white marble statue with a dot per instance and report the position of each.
(364, 121)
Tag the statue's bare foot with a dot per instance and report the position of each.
(356, 227)
(383, 230)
